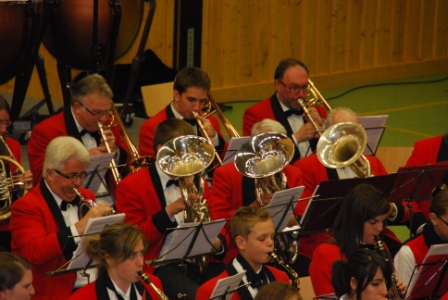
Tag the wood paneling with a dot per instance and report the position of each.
(343, 42)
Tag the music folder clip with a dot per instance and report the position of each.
(323, 207)
(189, 240)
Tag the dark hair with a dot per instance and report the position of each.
(439, 203)
(362, 203)
(169, 129)
(287, 63)
(4, 105)
(116, 241)
(191, 77)
(277, 290)
(362, 265)
(88, 85)
(245, 218)
(12, 269)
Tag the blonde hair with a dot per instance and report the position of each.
(268, 124)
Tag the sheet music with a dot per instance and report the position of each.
(183, 236)
(100, 163)
(280, 201)
(234, 144)
(374, 126)
(227, 285)
(94, 226)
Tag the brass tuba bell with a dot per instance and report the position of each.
(342, 145)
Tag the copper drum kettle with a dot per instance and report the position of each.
(71, 24)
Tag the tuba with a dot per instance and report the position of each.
(342, 145)
(263, 158)
(8, 181)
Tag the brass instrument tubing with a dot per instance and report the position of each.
(112, 164)
(204, 133)
(287, 268)
(307, 112)
(148, 280)
(89, 202)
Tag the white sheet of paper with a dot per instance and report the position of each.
(234, 144)
(374, 126)
(101, 162)
(227, 285)
(280, 201)
(94, 226)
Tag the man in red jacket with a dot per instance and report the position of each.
(291, 83)
(91, 100)
(152, 200)
(45, 225)
(190, 91)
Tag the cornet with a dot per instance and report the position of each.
(86, 204)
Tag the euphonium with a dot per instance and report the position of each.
(148, 280)
(8, 181)
(187, 157)
(342, 145)
(85, 205)
(263, 158)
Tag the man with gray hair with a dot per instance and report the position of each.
(45, 225)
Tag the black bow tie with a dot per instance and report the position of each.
(291, 112)
(65, 203)
(95, 135)
(171, 182)
(192, 122)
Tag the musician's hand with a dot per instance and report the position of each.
(179, 205)
(27, 179)
(315, 115)
(94, 212)
(401, 287)
(98, 150)
(110, 139)
(217, 244)
(305, 133)
(208, 127)
(292, 221)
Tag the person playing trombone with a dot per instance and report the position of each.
(46, 224)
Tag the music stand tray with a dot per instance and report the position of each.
(225, 287)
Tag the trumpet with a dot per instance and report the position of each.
(148, 280)
(86, 204)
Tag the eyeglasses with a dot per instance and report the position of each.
(97, 114)
(73, 176)
(6, 123)
(446, 223)
(295, 89)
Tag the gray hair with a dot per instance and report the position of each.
(63, 148)
(90, 84)
(267, 124)
(344, 112)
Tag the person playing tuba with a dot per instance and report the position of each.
(15, 179)
(151, 200)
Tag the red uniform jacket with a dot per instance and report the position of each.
(140, 196)
(90, 292)
(39, 234)
(232, 190)
(205, 290)
(61, 124)
(270, 108)
(146, 134)
(14, 146)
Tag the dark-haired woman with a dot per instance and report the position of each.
(16, 278)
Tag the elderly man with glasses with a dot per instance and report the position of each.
(291, 83)
(45, 224)
(91, 100)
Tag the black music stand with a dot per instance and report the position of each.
(374, 126)
(324, 206)
(430, 281)
(417, 184)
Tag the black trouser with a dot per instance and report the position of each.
(5, 241)
(179, 281)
